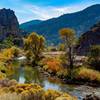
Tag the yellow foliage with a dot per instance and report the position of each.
(2, 75)
(90, 74)
(6, 56)
(9, 53)
(68, 35)
(34, 45)
(33, 92)
(56, 95)
(51, 94)
(67, 32)
(63, 72)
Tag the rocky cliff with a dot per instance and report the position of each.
(91, 37)
(9, 27)
(8, 22)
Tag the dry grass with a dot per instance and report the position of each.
(88, 74)
(31, 92)
(10, 96)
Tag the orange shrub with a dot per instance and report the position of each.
(53, 64)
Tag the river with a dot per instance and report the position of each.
(28, 74)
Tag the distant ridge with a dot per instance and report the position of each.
(27, 25)
(81, 21)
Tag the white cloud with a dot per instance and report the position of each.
(31, 12)
(26, 12)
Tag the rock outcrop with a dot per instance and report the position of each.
(91, 97)
(88, 39)
(9, 27)
(8, 22)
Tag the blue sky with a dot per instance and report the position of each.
(44, 9)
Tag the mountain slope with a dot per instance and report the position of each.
(91, 37)
(27, 26)
(80, 21)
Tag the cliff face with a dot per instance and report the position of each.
(9, 27)
(88, 39)
(8, 22)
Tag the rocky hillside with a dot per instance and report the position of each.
(80, 21)
(8, 22)
(91, 37)
(9, 25)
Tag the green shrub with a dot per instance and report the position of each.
(94, 57)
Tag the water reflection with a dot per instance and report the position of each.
(27, 74)
(48, 85)
(21, 75)
(32, 75)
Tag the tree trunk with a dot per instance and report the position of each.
(70, 58)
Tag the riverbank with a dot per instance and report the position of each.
(28, 74)
(65, 80)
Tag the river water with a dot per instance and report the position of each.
(28, 74)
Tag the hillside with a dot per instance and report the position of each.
(27, 26)
(91, 37)
(80, 21)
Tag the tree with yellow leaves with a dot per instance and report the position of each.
(68, 36)
(34, 45)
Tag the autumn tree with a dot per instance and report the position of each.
(68, 36)
(34, 45)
